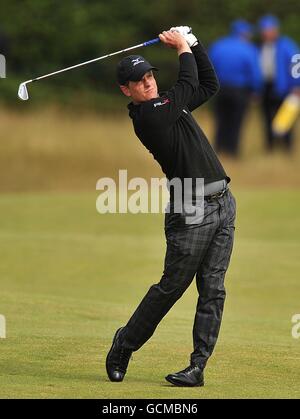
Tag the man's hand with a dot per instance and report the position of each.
(186, 31)
(183, 30)
(174, 39)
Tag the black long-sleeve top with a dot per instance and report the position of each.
(167, 128)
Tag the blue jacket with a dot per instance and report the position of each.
(236, 62)
(286, 48)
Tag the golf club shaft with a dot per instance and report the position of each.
(144, 44)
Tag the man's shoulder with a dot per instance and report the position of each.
(286, 41)
(151, 111)
(162, 100)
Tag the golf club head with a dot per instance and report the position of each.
(23, 93)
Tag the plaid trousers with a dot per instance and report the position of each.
(202, 250)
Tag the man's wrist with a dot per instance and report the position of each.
(191, 39)
(184, 47)
(198, 44)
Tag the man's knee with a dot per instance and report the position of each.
(209, 292)
(172, 285)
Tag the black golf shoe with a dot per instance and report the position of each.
(117, 359)
(192, 376)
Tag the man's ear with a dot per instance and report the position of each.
(125, 90)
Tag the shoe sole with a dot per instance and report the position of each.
(176, 383)
(113, 342)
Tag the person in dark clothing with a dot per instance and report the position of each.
(3, 53)
(164, 124)
(276, 55)
(235, 60)
(4, 44)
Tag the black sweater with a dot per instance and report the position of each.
(167, 128)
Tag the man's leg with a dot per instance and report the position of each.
(271, 104)
(181, 263)
(267, 105)
(210, 283)
(223, 121)
(186, 245)
(239, 105)
(185, 248)
(230, 108)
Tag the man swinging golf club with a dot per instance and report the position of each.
(164, 124)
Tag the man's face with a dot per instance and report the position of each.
(142, 90)
(270, 35)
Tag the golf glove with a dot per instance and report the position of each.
(186, 31)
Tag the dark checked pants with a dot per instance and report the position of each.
(202, 250)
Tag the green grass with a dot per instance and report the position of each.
(70, 277)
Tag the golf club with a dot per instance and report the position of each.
(23, 92)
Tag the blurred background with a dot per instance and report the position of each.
(69, 275)
(69, 122)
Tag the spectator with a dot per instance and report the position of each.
(276, 54)
(3, 54)
(3, 43)
(236, 62)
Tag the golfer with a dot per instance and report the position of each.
(164, 124)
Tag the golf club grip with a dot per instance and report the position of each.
(153, 41)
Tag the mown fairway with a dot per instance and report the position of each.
(70, 277)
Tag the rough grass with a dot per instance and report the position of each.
(70, 277)
(54, 150)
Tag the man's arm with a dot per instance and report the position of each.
(175, 40)
(166, 109)
(208, 81)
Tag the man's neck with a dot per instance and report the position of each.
(139, 103)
